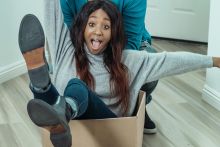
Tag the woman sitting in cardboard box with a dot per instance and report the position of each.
(93, 77)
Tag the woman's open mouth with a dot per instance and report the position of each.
(96, 43)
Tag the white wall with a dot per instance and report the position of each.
(179, 19)
(211, 92)
(11, 13)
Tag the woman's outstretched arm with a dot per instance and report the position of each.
(56, 31)
(147, 67)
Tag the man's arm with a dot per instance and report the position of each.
(68, 13)
(133, 13)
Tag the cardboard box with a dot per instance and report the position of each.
(116, 132)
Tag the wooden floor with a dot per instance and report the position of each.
(183, 119)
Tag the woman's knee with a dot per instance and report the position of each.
(76, 88)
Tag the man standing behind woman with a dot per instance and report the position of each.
(138, 38)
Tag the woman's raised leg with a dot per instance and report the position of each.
(47, 109)
(89, 105)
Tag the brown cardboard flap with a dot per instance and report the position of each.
(141, 102)
(140, 119)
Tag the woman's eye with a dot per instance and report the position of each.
(106, 27)
(91, 24)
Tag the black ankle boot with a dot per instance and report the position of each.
(53, 117)
(149, 125)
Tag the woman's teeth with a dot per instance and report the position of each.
(96, 43)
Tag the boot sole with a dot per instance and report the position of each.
(43, 115)
(31, 34)
(31, 41)
(150, 131)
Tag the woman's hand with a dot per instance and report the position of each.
(216, 62)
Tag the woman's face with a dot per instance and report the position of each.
(98, 31)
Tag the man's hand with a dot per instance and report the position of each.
(216, 62)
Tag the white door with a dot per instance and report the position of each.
(178, 19)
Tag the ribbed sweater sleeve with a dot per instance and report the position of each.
(147, 67)
(56, 31)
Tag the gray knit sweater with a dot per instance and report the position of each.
(143, 67)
